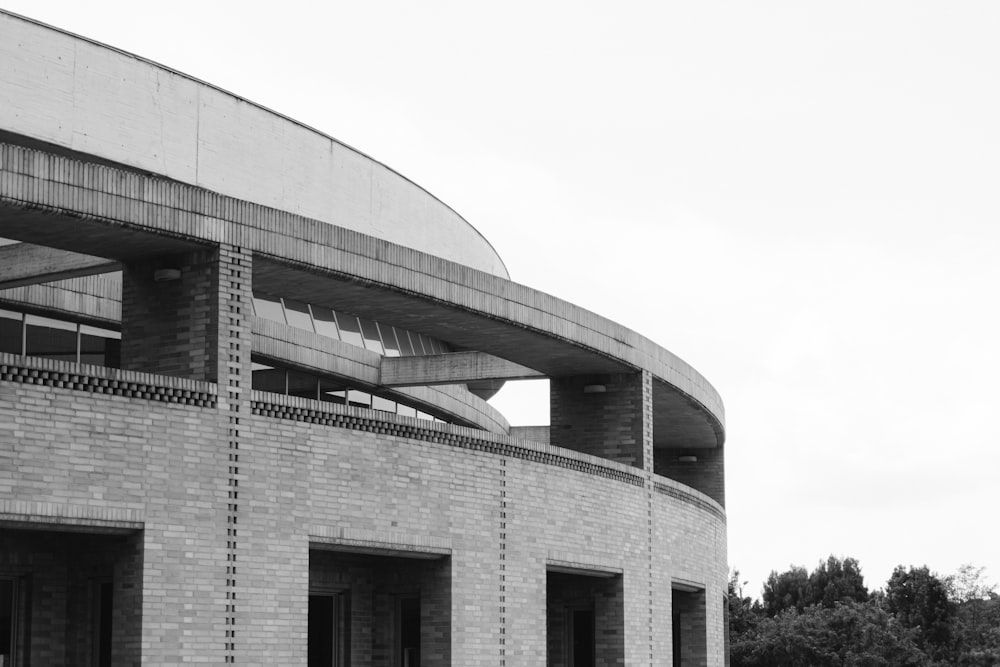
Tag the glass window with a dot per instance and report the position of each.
(389, 340)
(298, 314)
(350, 330)
(422, 344)
(49, 338)
(405, 347)
(325, 322)
(7, 616)
(372, 340)
(11, 332)
(268, 307)
(405, 410)
(424, 415)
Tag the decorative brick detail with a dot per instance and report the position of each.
(690, 498)
(233, 330)
(81, 377)
(328, 415)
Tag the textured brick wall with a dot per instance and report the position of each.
(171, 327)
(608, 424)
(503, 518)
(707, 474)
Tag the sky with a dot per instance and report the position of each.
(798, 199)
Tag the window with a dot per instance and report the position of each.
(408, 637)
(8, 620)
(268, 307)
(103, 613)
(329, 630)
(298, 315)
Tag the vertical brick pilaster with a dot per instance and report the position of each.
(233, 336)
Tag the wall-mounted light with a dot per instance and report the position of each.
(594, 388)
(166, 275)
(687, 459)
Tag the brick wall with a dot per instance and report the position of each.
(707, 474)
(608, 423)
(503, 518)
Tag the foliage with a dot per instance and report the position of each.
(828, 617)
(744, 611)
(833, 580)
(919, 600)
(847, 634)
(837, 581)
(785, 591)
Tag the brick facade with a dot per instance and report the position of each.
(166, 512)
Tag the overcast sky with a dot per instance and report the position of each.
(799, 199)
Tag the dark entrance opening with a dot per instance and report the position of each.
(690, 638)
(70, 597)
(379, 609)
(585, 619)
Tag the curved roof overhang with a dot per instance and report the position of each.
(54, 201)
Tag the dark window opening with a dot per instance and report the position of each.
(409, 632)
(329, 630)
(8, 595)
(583, 638)
(104, 610)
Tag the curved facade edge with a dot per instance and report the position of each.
(171, 124)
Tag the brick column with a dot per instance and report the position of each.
(193, 321)
(603, 415)
(170, 321)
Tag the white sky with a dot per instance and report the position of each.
(799, 199)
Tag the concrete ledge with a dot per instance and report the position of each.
(31, 515)
(380, 543)
(582, 563)
(318, 354)
(27, 264)
(451, 368)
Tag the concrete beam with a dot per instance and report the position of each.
(451, 368)
(27, 264)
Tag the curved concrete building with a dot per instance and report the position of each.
(244, 372)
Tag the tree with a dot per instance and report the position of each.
(744, 611)
(968, 584)
(848, 634)
(786, 591)
(833, 580)
(976, 626)
(919, 600)
(836, 581)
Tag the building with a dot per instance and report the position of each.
(243, 372)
